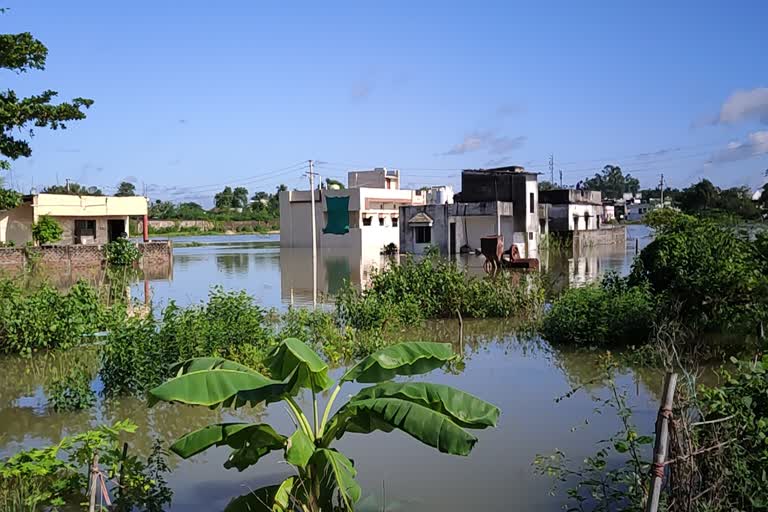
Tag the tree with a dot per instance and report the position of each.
(162, 210)
(435, 414)
(126, 189)
(190, 211)
(612, 182)
(332, 183)
(223, 200)
(21, 53)
(240, 197)
(704, 198)
(73, 189)
(547, 185)
(763, 201)
(698, 197)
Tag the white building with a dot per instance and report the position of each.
(364, 215)
(573, 210)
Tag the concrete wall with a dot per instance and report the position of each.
(202, 225)
(16, 225)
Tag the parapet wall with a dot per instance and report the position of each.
(76, 256)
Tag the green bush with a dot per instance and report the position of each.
(609, 313)
(141, 352)
(121, 253)
(717, 279)
(432, 287)
(46, 318)
(71, 392)
(46, 230)
(56, 477)
(741, 403)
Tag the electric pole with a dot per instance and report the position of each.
(561, 178)
(661, 185)
(314, 232)
(552, 168)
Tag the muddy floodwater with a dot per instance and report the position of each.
(521, 374)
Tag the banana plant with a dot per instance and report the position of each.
(435, 414)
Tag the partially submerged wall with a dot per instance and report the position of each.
(76, 256)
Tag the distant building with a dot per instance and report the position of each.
(496, 201)
(84, 219)
(573, 210)
(366, 214)
(579, 216)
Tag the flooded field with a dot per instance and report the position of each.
(522, 375)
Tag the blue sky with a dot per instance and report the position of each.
(190, 96)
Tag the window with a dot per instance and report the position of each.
(531, 201)
(381, 221)
(530, 235)
(84, 228)
(367, 221)
(423, 234)
(394, 222)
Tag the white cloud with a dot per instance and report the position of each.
(745, 106)
(486, 140)
(755, 145)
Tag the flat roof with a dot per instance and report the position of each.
(510, 169)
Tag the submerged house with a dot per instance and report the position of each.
(501, 201)
(364, 215)
(84, 219)
(578, 216)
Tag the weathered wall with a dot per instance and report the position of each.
(594, 237)
(63, 205)
(16, 225)
(202, 225)
(75, 256)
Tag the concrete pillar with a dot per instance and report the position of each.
(145, 225)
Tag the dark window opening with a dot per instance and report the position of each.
(394, 222)
(116, 229)
(530, 235)
(423, 234)
(366, 221)
(85, 228)
(531, 205)
(381, 221)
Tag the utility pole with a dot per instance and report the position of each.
(67, 180)
(552, 168)
(314, 232)
(662, 190)
(561, 178)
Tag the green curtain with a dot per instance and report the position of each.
(338, 215)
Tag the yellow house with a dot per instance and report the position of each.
(84, 219)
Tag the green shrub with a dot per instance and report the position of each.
(717, 279)
(609, 313)
(121, 252)
(46, 230)
(46, 318)
(141, 352)
(57, 476)
(433, 287)
(741, 403)
(72, 391)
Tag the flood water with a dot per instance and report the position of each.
(522, 376)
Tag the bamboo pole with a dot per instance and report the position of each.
(94, 482)
(662, 440)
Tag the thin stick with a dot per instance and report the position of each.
(94, 481)
(662, 440)
(709, 422)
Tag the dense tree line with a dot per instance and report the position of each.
(229, 204)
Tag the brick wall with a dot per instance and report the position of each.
(81, 256)
(11, 258)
